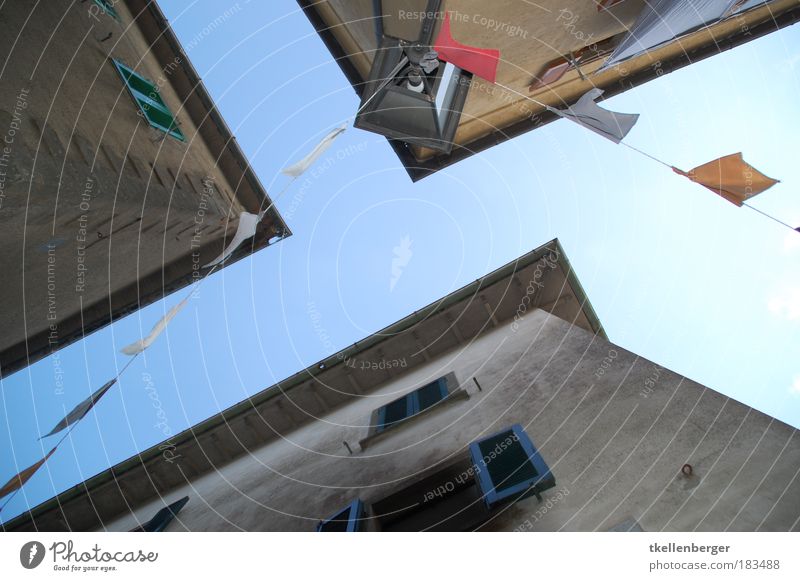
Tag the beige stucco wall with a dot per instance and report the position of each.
(615, 438)
(83, 170)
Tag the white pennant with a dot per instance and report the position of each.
(587, 113)
(246, 229)
(301, 166)
(158, 328)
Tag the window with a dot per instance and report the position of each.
(162, 518)
(107, 6)
(509, 467)
(348, 520)
(445, 499)
(411, 404)
(150, 103)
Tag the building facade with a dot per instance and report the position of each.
(119, 179)
(501, 407)
(553, 51)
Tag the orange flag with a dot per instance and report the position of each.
(730, 177)
(20, 479)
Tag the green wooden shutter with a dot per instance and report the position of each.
(149, 101)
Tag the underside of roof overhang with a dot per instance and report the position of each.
(550, 50)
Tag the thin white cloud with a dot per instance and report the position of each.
(786, 303)
(792, 242)
(795, 388)
(789, 64)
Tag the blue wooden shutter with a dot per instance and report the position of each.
(348, 520)
(411, 404)
(394, 412)
(430, 395)
(508, 467)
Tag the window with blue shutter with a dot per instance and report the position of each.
(508, 467)
(411, 404)
(108, 8)
(395, 412)
(163, 517)
(349, 520)
(148, 99)
(430, 395)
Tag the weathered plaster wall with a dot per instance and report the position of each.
(82, 170)
(614, 428)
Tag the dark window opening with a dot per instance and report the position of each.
(494, 472)
(509, 468)
(448, 500)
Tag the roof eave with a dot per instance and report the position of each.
(418, 170)
(227, 416)
(248, 187)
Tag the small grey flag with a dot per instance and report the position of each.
(611, 125)
(81, 409)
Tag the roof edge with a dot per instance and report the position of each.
(150, 9)
(228, 415)
(418, 170)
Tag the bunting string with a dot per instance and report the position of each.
(135, 349)
(746, 205)
(644, 153)
(483, 63)
(277, 197)
(712, 184)
(46, 458)
(60, 441)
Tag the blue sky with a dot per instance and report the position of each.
(675, 273)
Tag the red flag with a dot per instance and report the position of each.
(478, 61)
(20, 479)
(730, 177)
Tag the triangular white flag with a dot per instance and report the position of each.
(158, 328)
(587, 113)
(246, 229)
(301, 166)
